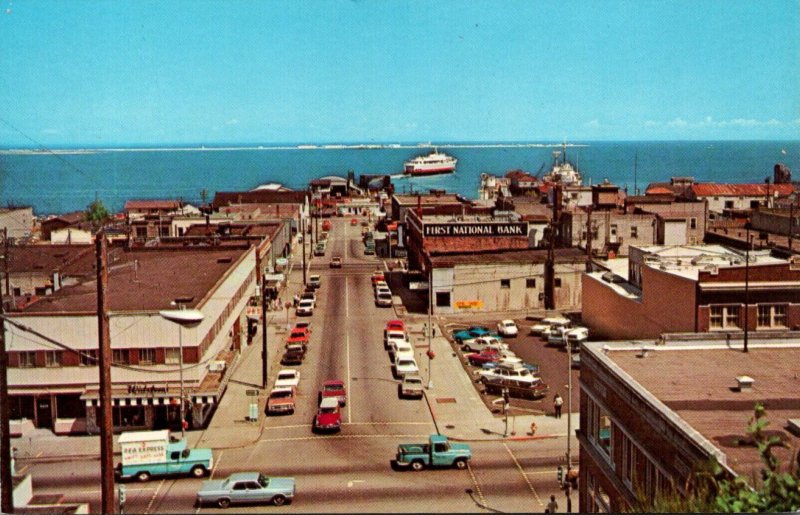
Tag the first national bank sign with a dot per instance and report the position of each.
(476, 229)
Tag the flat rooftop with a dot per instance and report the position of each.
(689, 260)
(697, 381)
(147, 280)
(525, 256)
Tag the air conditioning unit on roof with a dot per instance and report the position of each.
(217, 365)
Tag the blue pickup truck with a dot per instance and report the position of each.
(438, 452)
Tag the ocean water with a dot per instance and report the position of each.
(66, 180)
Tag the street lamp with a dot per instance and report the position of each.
(188, 318)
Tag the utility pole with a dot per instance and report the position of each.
(747, 286)
(5, 261)
(104, 365)
(6, 480)
(263, 333)
(303, 246)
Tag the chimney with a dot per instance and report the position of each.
(745, 383)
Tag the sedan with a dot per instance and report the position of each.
(329, 416)
(470, 333)
(305, 308)
(353, 221)
(336, 262)
(405, 365)
(287, 377)
(507, 328)
(333, 388)
(247, 487)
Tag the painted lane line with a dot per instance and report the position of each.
(155, 494)
(524, 476)
(354, 481)
(347, 345)
(476, 485)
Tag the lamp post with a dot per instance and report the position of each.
(188, 318)
(430, 325)
(569, 422)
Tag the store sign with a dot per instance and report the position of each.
(476, 229)
(469, 304)
(137, 389)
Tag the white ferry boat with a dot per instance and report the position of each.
(434, 163)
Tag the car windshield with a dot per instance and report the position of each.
(327, 410)
(405, 363)
(280, 395)
(263, 480)
(298, 334)
(286, 375)
(414, 380)
(306, 302)
(333, 388)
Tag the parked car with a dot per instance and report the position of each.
(333, 389)
(404, 365)
(546, 324)
(281, 401)
(394, 324)
(319, 249)
(287, 377)
(353, 221)
(480, 343)
(328, 417)
(315, 281)
(299, 335)
(383, 299)
(326, 225)
(303, 325)
(380, 284)
(485, 356)
(533, 367)
(507, 328)
(377, 276)
(336, 262)
(369, 250)
(470, 333)
(515, 375)
(294, 354)
(247, 487)
(576, 361)
(310, 295)
(393, 334)
(577, 337)
(411, 387)
(401, 349)
(305, 308)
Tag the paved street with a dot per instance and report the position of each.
(349, 471)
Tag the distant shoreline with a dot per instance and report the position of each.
(71, 151)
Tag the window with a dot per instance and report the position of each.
(172, 356)
(723, 317)
(693, 223)
(728, 204)
(754, 204)
(147, 356)
(52, 358)
(505, 283)
(772, 315)
(120, 356)
(88, 358)
(557, 282)
(600, 428)
(141, 232)
(634, 231)
(17, 292)
(443, 299)
(27, 359)
(530, 283)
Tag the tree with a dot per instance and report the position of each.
(711, 490)
(97, 213)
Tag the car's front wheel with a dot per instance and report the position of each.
(417, 465)
(198, 471)
(460, 464)
(279, 500)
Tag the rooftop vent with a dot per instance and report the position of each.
(745, 383)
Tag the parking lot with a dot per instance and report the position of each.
(552, 361)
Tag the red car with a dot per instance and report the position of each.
(329, 417)
(326, 225)
(485, 356)
(299, 335)
(377, 277)
(353, 221)
(333, 389)
(395, 325)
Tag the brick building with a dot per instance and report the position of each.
(701, 288)
(651, 417)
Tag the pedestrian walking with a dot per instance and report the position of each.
(552, 506)
(296, 299)
(557, 403)
(433, 331)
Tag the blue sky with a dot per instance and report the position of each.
(137, 72)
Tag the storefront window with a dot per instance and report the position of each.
(27, 359)
(128, 416)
